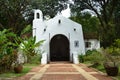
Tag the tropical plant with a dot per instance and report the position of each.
(30, 47)
(7, 57)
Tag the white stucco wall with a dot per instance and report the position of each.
(95, 44)
(46, 30)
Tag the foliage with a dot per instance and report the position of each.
(30, 46)
(101, 68)
(89, 23)
(13, 14)
(7, 45)
(50, 7)
(81, 58)
(16, 14)
(111, 56)
(117, 43)
(104, 9)
(27, 29)
(117, 20)
(36, 59)
(94, 57)
(89, 52)
(88, 60)
(112, 53)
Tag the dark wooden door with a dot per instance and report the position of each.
(59, 48)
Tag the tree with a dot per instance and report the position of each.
(16, 14)
(89, 23)
(104, 9)
(13, 14)
(50, 7)
(117, 20)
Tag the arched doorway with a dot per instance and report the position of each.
(59, 48)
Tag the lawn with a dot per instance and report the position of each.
(11, 74)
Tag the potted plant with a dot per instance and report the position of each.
(17, 66)
(111, 55)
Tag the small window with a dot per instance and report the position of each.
(59, 21)
(38, 15)
(76, 43)
(87, 44)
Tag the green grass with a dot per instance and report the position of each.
(11, 74)
(30, 65)
(100, 68)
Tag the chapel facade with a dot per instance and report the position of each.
(64, 39)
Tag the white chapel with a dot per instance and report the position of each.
(64, 39)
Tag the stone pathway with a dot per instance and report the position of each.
(64, 71)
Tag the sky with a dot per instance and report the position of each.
(66, 12)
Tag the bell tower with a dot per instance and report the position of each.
(38, 24)
(38, 15)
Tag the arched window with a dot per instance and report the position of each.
(38, 15)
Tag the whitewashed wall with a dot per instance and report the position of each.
(46, 30)
(95, 44)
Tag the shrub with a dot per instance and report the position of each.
(89, 52)
(81, 58)
(94, 57)
(7, 57)
(111, 56)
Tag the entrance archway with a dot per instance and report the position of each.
(59, 48)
